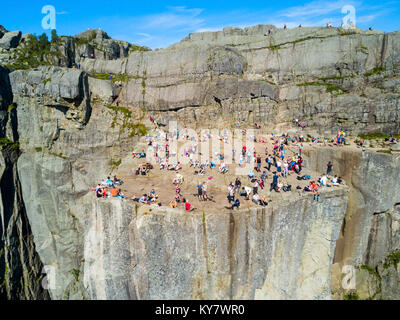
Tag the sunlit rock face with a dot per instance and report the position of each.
(67, 134)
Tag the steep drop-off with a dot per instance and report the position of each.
(69, 136)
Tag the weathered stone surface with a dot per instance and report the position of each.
(173, 255)
(111, 250)
(370, 231)
(395, 147)
(10, 40)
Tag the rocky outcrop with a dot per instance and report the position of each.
(10, 40)
(328, 78)
(70, 135)
(21, 270)
(370, 232)
(167, 254)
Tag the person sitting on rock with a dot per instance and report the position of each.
(114, 192)
(248, 191)
(188, 206)
(178, 166)
(99, 193)
(142, 155)
(236, 204)
(333, 182)
(324, 180)
(109, 183)
(117, 181)
(251, 174)
(256, 198)
(173, 204)
(204, 191)
(263, 201)
(202, 170)
(153, 196)
(120, 194)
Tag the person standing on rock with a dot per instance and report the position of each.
(329, 168)
(231, 193)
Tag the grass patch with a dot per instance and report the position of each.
(376, 70)
(125, 111)
(75, 273)
(86, 41)
(347, 32)
(38, 149)
(137, 129)
(11, 107)
(385, 151)
(392, 259)
(373, 136)
(114, 77)
(136, 48)
(58, 155)
(273, 48)
(115, 163)
(34, 53)
(353, 295)
(330, 88)
(7, 144)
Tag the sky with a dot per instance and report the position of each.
(158, 24)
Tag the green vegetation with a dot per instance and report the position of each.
(125, 111)
(353, 295)
(115, 163)
(58, 155)
(347, 32)
(127, 125)
(332, 78)
(11, 107)
(114, 77)
(46, 81)
(277, 47)
(38, 149)
(363, 49)
(7, 144)
(136, 48)
(392, 259)
(376, 70)
(75, 273)
(330, 87)
(138, 129)
(385, 151)
(54, 37)
(373, 136)
(274, 47)
(374, 272)
(86, 41)
(34, 53)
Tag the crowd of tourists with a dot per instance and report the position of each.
(270, 168)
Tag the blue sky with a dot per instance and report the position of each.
(157, 24)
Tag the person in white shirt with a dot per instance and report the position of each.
(324, 180)
(256, 198)
(248, 191)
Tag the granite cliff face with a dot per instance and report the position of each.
(370, 234)
(62, 135)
